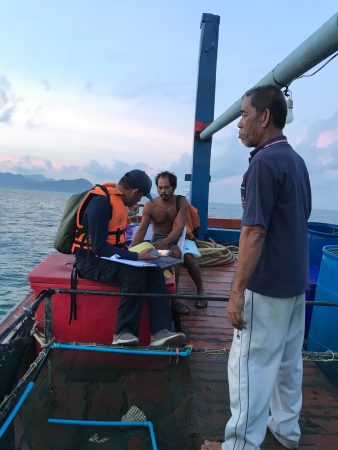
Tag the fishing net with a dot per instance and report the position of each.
(186, 399)
(12, 355)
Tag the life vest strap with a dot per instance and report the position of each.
(73, 285)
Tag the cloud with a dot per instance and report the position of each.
(8, 101)
(93, 171)
(153, 90)
(326, 138)
(319, 148)
(229, 157)
(78, 125)
(229, 161)
(25, 165)
(36, 117)
(101, 137)
(103, 172)
(180, 167)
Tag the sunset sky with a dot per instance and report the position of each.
(93, 88)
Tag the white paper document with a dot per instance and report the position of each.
(180, 243)
(163, 261)
(129, 262)
(187, 245)
(190, 246)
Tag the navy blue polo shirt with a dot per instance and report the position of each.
(276, 194)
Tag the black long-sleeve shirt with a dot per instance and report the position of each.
(95, 219)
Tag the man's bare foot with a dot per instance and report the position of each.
(209, 445)
(201, 302)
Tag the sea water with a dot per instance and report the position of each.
(28, 222)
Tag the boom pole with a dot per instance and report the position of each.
(319, 46)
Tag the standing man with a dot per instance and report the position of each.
(101, 231)
(168, 214)
(266, 305)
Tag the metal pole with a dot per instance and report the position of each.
(105, 423)
(125, 351)
(138, 294)
(48, 319)
(319, 46)
(16, 408)
(204, 114)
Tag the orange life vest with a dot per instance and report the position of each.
(116, 225)
(193, 220)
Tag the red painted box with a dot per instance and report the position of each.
(96, 314)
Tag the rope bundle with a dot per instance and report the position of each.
(214, 254)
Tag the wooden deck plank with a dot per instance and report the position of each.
(208, 328)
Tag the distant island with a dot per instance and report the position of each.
(41, 183)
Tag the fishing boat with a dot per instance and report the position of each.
(63, 386)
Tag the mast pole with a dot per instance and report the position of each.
(204, 115)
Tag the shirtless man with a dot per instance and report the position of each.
(168, 225)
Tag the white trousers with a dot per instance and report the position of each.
(265, 371)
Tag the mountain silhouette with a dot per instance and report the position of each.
(40, 183)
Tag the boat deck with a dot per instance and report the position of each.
(209, 329)
(187, 399)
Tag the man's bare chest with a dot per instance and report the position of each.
(163, 214)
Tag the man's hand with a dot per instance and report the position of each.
(251, 243)
(148, 253)
(160, 245)
(235, 311)
(175, 252)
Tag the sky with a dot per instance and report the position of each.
(94, 88)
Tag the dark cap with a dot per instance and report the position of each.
(139, 180)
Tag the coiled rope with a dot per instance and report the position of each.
(214, 254)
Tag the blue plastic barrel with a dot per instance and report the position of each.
(323, 332)
(320, 234)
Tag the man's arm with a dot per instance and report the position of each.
(251, 244)
(97, 216)
(178, 225)
(145, 221)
